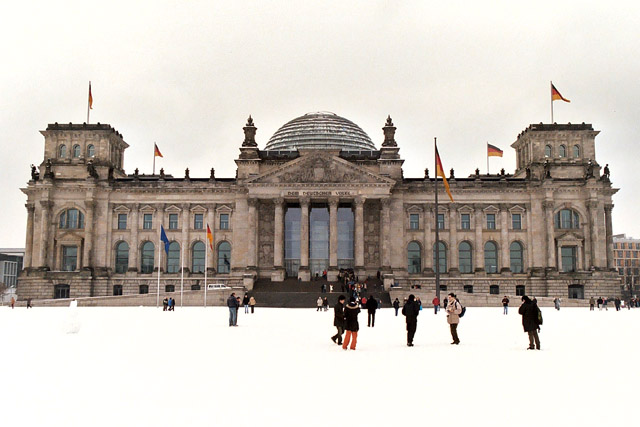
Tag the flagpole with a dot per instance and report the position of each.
(181, 275)
(206, 259)
(487, 159)
(154, 158)
(551, 88)
(159, 264)
(437, 266)
(89, 102)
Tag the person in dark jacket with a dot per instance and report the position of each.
(396, 305)
(505, 305)
(411, 310)
(372, 306)
(338, 320)
(531, 321)
(165, 304)
(232, 303)
(245, 302)
(351, 324)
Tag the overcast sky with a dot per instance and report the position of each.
(187, 74)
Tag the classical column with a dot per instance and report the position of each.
(333, 233)
(359, 232)
(591, 235)
(278, 233)
(211, 222)
(428, 241)
(28, 247)
(185, 245)
(163, 254)
(504, 239)
(609, 235)
(45, 208)
(548, 215)
(133, 244)
(529, 254)
(304, 272)
(454, 263)
(478, 224)
(88, 235)
(252, 234)
(385, 241)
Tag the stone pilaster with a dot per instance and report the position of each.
(609, 235)
(134, 225)
(359, 232)
(478, 224)
(278, 241)
(304, 272)
(385, 241)
(252, 259)
(504, 239)
(87, 261)
(28, 247)
(548, 218)
(45, 220)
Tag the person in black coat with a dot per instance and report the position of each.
(245, 302)
(396, 305)
(531, 321)
(411, 310)
(351, 324)
(338, 320)
(372, 306)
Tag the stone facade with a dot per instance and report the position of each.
(544, 230)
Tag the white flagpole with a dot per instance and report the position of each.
(159, 264)
(154, 158)
(206, 257)
(182, 275)
(88, 102)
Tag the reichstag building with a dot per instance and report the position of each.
(318, 198)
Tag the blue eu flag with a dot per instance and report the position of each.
(164, 239)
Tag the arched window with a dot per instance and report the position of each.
(173, 258)
(146, 257)
(62, 151)
(122, 257)
(91, 150)
(465, 257)
(547, 151)
(414, 257)
(491, 257)
(76, 151)
(576, 151)
(224, 257)
(197, 257)
(562, 151)
(72, 218)
(567, 218)
(442, 257)
(515, 251)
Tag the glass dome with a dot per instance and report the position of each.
(321, 130)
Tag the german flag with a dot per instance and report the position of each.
(493, 151)
(440, 173)
(555, 95)
(90, 98)
(210, 237)
(156, 151)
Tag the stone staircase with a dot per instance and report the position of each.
(292, 293)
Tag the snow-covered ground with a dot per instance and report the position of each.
(142, 366)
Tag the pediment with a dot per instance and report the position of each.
(517, 209)
(224, 209)
(414, 208)
(569, 237)
(147, 209)
(122, 209)
(466, 209)
(320, 167)
(491, 209)
(198, 209)
(173, 209)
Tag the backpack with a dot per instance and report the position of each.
(539, 317)
(463, 309)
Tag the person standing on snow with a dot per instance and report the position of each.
(556, 303)
(453, 317)
(396, 305)
(372, 306)
(592, 302)
(232, 303)
(411, 310)
(319, 304)
(338, 320)
(252, 303)
(505, 305)
(351, 324)
(436, 304)
(245, 302)
(165, 304)
(531, 321)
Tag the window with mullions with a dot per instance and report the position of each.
(146, 258)
(117, 290)
(62, 151)
(224, 221)
(442, 257)
(147, 221)
(568, 255)
(198, 222)
(516, 221)
(69, 258)
(414, 221)
(465, 258)
(173, 221)
(61, 291)
(414, 257)
(224, 257)
(491, 257)
(76, 151)
(72, 218)
(440, 221)
(122, 221)
(491, 221)
(143, 289)
(494, 290)
(562, 151)
(122, 257)
(173, 258)
(468, 289)
(567, 219)
(197, 257)
(515, 251)
(91, 150)
(520, 290)
(465, 221)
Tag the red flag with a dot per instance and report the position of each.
(90, 98)
(440, 173)
(156, 152)
(555, 95)
(210, 237)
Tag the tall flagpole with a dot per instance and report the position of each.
(159, 264)
(550, 89)
(89, 102)
(206, 258)
(437, 266)
(154, 158)
(487, 158)
(181, 275)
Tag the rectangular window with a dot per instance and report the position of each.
(122, 221)
(615, 246)
(491, 221)
(520, 290)
(224, 221)
(627, 254)
(465, 221)
(10, 273)
(173, 221)
(568, 254)
(147, 223)
(440, 221)
(198, 223)
(414, 221)
(117, 290)
(516, 221)
(69, 258)
(468, 289)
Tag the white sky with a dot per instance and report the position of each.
(187, 75)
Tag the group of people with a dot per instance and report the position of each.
(13, 302)
(234, 302)
(617, 302)
(168, 304)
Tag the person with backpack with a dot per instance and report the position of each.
(454, 311)
(531, 321)
(411, 310)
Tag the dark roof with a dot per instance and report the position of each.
(83, 126)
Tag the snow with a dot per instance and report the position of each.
(141, 366)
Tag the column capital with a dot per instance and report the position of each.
(608, 207)
(334, 201)
(548, 204)
(46, 204)
(30, 207)
(252, 201)
(359, 201)
(90, 204)
(385, 202)
(304, 201)
(592, 204)
(278, 201)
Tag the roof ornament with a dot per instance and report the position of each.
(389, 133)
(249, 134)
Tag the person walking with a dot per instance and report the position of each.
(410, 311)
(29, 303)
(436, 304)
(531, 321)
(165, 304)
(252, 303)
(453, 317)
(245, 302)
(351, 324)
(232, 303)
(338, 320)
(325, 304)
(170, 304)
(600, 303)
(592, 302)
(505, 305)
(419, 303)
(319, 304)
(13, 302)
(372, 306)
(396, 305)
(556, 303)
